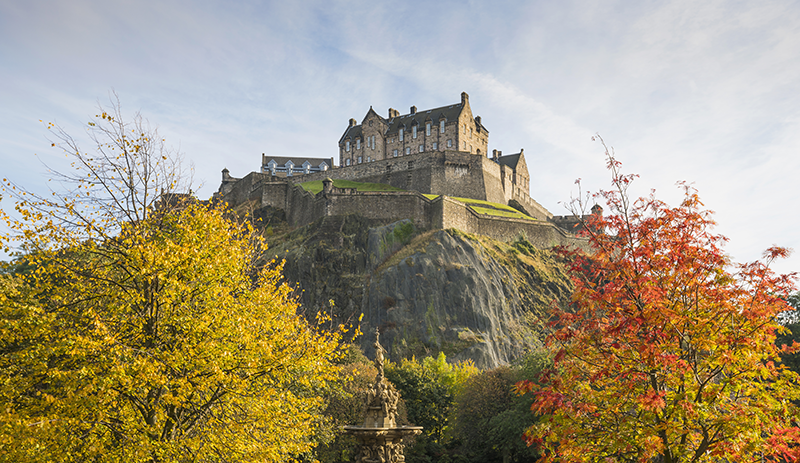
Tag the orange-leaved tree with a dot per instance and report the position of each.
(138, 325)
(666, 353)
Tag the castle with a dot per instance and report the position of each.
(441, 151)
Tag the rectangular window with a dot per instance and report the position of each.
(395, 153)
(359, 159)
(428, 129)
(465, 146)
(373, 142)
(449, 143)
(435, 146)
(441, 126)
(421, 148)
(400, 135)
(347, 145)
(358, 143)
(347, 161)
(414, 131)
(408, 150)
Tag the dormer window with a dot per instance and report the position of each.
(413, 131)
(441, 126)
(428, 129)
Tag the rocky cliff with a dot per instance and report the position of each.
(428, 291)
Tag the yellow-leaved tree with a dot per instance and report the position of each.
(140, 325)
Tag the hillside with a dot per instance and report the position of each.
(431, 291)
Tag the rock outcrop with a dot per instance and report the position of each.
(468, 296)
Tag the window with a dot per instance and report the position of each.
(347, 145)
(413, 131)
(359, 159)
(370, 123)
(373, 142)
(369, 159)
(358, 143)
(395, 153)
(408, 150)
(421, 148)
(450, 143)
(400, 135)
(428, 129)
(347, 162)
(441, 126)
(465, 146)
(435, 146)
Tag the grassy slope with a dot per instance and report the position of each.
(489, 208)
(316, 186)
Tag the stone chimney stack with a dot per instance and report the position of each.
(464, 98)
(478, 121)
(494, 155)
(413, 110)
(393, 113)
(352, 123)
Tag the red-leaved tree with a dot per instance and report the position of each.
(667, 351)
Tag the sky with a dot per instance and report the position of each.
(702, 92)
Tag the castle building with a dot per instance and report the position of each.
(451, 128)
(434, 158)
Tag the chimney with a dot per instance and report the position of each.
(393, 113)
(413, 110)
(478, 120)
(494, 155)
(352, 123)
(226, 174)
(464, 98)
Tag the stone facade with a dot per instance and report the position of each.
(377, 138)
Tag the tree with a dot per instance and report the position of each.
(667, 352)
(138, 325)
(490, 417)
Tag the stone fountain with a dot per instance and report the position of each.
(380, 440)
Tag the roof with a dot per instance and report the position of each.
(510, 160)
(449, 113)
(297, 161)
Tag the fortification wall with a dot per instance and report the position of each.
(244, 189)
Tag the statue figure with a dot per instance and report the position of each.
(379, 351)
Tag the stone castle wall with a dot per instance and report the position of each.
(302, 208)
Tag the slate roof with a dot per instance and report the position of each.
(297, 161)
(510, 160)
(449, 113)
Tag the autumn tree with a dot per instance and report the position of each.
(666, 353)
(136, 325)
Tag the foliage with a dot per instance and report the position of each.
(666, 354)
(344, 405)
(143, 331)
(428, 388)
(490, 417)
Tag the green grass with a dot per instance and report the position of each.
(485, 207)
(315, 186)
(501, 213)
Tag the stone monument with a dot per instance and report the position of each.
(380, 440)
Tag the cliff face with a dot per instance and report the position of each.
(468, 296)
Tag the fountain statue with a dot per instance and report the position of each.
(380, 440)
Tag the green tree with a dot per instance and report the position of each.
(490, 417)
(667, 353)
(143, 330)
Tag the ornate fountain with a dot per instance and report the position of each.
(380, 440)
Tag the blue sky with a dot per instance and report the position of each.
(704, 92)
